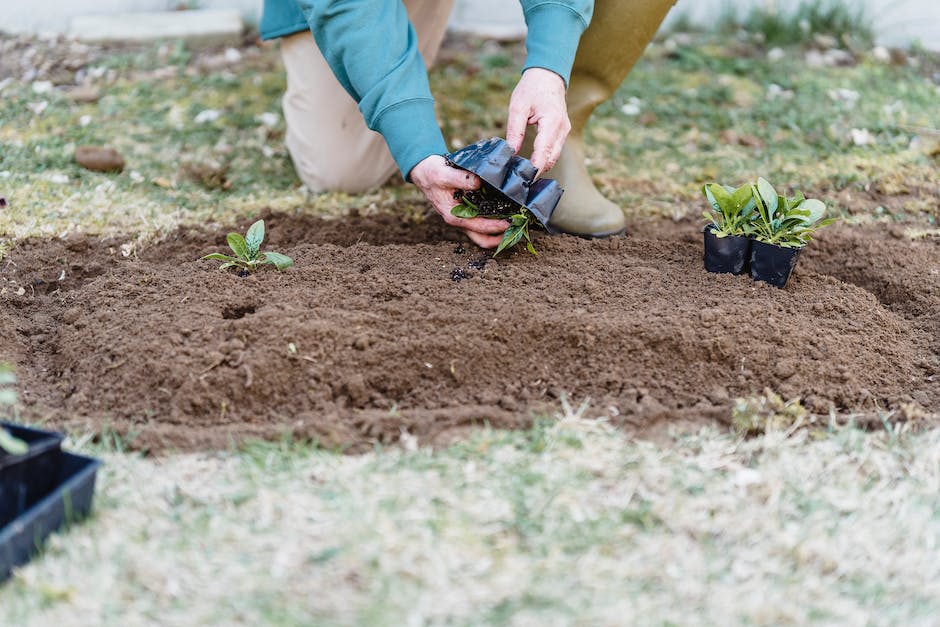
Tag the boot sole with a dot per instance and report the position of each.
(622, 231)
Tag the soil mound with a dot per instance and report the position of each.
(369, 334)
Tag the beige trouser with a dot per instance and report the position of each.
(329, 142)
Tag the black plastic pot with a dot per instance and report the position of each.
(773, 264)
(494, 161)
(24, 479)
(729, 254)
(68, 501)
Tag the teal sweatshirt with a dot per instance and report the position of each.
(373, 51)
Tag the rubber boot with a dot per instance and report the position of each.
(617, 36)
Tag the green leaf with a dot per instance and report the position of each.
(725, 203)
(238, 245)
(742, 196)
(280, 261)
(748, 208)
(520, 219)
(814, 210)
(218, 257)
(711, 197)
(7, 377)
(465, 210)
(768, 194)
(510, 238)
(234, 264)
(254, 237)
(13, 446)
(7, 397)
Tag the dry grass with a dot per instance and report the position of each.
(570, 523)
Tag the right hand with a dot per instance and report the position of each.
(439, 182)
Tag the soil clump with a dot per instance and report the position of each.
(370, 334)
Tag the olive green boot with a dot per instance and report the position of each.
(619, 33)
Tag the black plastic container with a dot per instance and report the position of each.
(729, 254)
(67, 502)
(773, 264)
(494, 161)
(24, 479)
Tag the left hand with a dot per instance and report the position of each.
(539, 99)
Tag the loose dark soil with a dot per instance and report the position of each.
(370, 334)
(489, 201)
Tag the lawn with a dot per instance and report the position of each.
(569, 521)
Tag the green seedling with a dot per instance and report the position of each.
(248, 256)
(8, 443)
(520, 218)
(782, 221)
(733, 209)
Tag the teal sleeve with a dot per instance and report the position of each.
(373, 51)
(554, 30)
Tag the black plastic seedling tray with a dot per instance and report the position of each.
(497, 164)
(773, 264)
(729, 254)
(69, 500)
(24, 479)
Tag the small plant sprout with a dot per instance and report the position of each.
(490, 206)
(8, 443)
(248, 256)
(782, 221)
(733, 209)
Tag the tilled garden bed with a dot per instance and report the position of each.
(369, 335)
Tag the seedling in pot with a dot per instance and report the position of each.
(509, 191)
(781, 228)
(248, 256)
(488, 203)
(727, 247)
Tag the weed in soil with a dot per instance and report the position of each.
(633, 323)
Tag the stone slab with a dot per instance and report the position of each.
(200, 27)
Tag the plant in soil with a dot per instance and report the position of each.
(248, 256)
(488, 202)
(8, 443)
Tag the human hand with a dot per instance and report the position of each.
(439, 182)
(539, 98)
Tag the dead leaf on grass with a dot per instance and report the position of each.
(209, 174)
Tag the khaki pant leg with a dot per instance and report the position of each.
(327, 137)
